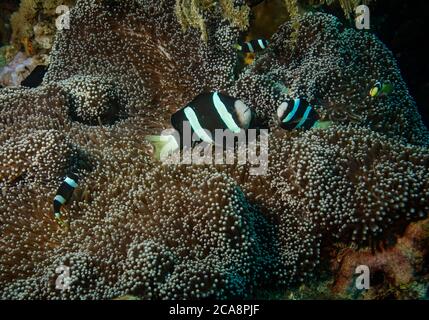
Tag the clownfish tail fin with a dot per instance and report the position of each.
(163, 145)
(238, 47)
(322, 124)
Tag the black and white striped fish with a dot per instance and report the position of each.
(252, 46)
(64, 194)
(295, 114)
(211, 111)
(205, 114)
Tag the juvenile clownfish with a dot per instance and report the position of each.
(252, 46)
(381, 88)
(295, 114)
(205, 114)
(63, 195)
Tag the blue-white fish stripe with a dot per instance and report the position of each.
(224, 114)
(71, 182)
(293, 112)
(261, 44)
(304, 118)
(250, 47)
(196, 126)
(60, 199)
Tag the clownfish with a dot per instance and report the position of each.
(63, 195)
(252, 46)
(297, 113)
(381, 88)
(205, 114)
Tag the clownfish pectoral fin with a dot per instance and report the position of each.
(322, 124)
(163, 145)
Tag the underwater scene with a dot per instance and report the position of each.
(214, 149)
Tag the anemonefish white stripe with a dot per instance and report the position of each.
(224, 114)
(196, 126)
(60, 199)
(249, 45)
(282, 109)
(294, 110)
(261, 44)
(304, 118)
(71, 182)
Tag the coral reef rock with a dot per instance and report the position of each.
(35, 22)
(399, 272)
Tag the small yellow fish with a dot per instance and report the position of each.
(380, 89)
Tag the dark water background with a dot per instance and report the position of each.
(403, 26)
